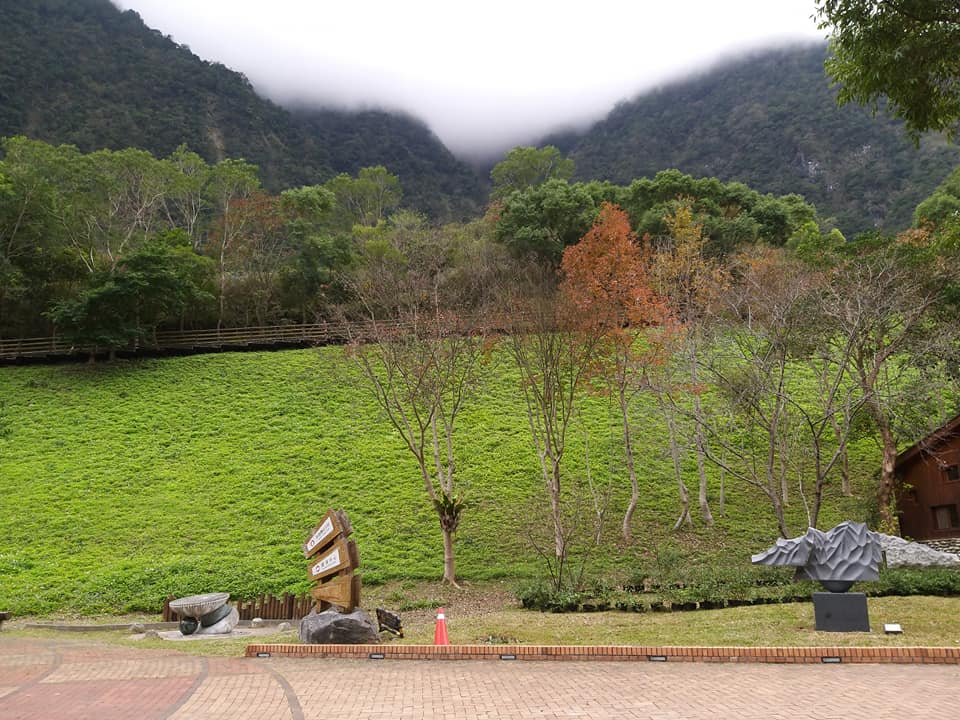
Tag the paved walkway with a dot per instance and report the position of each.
(74, 679)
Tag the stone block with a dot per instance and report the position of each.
(841, 612)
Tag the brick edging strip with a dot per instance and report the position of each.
(909, 655)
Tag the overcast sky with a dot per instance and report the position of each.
(483, 75)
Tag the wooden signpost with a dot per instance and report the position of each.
(333, 560)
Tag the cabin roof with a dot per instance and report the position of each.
(938, 437)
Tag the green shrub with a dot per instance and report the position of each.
(718, 586)
(914, 581)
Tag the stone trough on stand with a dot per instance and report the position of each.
(208, 614)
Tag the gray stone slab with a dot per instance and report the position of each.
(841, 612)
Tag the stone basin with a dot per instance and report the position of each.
(196, 606)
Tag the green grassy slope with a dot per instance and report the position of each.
(122, 484)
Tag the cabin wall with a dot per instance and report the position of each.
(929, 493)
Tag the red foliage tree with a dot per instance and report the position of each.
(605, 278)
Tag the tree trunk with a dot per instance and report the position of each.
(784, 483)
(560, 546)
(223, 282)
(723, 487)
(845, 474)
(675, 456)
(844, 457)
(601, 501)
(701, 452)
(448, 558)
(817, 502)
(887, 479)
(628, 451)
(701, 469)
(781, 520)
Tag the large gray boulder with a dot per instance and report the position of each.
(901, 553)
(336, 628)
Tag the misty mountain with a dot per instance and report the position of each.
(771, 121)
(84, 73)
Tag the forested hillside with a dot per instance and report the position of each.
(771, 121)
(83, 73)
(594, 384)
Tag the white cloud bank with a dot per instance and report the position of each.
(483, 75)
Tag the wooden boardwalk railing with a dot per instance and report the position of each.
(34, 347)
(302, 335)
(199, 340)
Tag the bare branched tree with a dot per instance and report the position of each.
(691, 280)
(552, 355)
(885, 303)
(420, 352)
(771, 346)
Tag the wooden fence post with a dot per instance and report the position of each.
(167, 614)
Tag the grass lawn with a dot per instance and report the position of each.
(483, 614)
(124, 483)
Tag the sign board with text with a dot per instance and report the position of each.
(334, 524)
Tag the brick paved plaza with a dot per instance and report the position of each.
(70, 679)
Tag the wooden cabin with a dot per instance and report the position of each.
(928, 485)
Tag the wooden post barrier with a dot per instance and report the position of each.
(267, 607)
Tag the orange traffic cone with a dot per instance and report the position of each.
(440, 634)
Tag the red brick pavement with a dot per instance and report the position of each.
(70, 679)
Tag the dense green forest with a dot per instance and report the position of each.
(771, 121)
(107, 247)
(82, 72)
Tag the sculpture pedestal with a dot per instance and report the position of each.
(841, 612)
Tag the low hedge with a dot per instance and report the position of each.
(718, 588)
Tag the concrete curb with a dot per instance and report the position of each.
(98, 628)
(127, 626)
(787, 655)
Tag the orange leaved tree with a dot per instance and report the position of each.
(605, 278)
